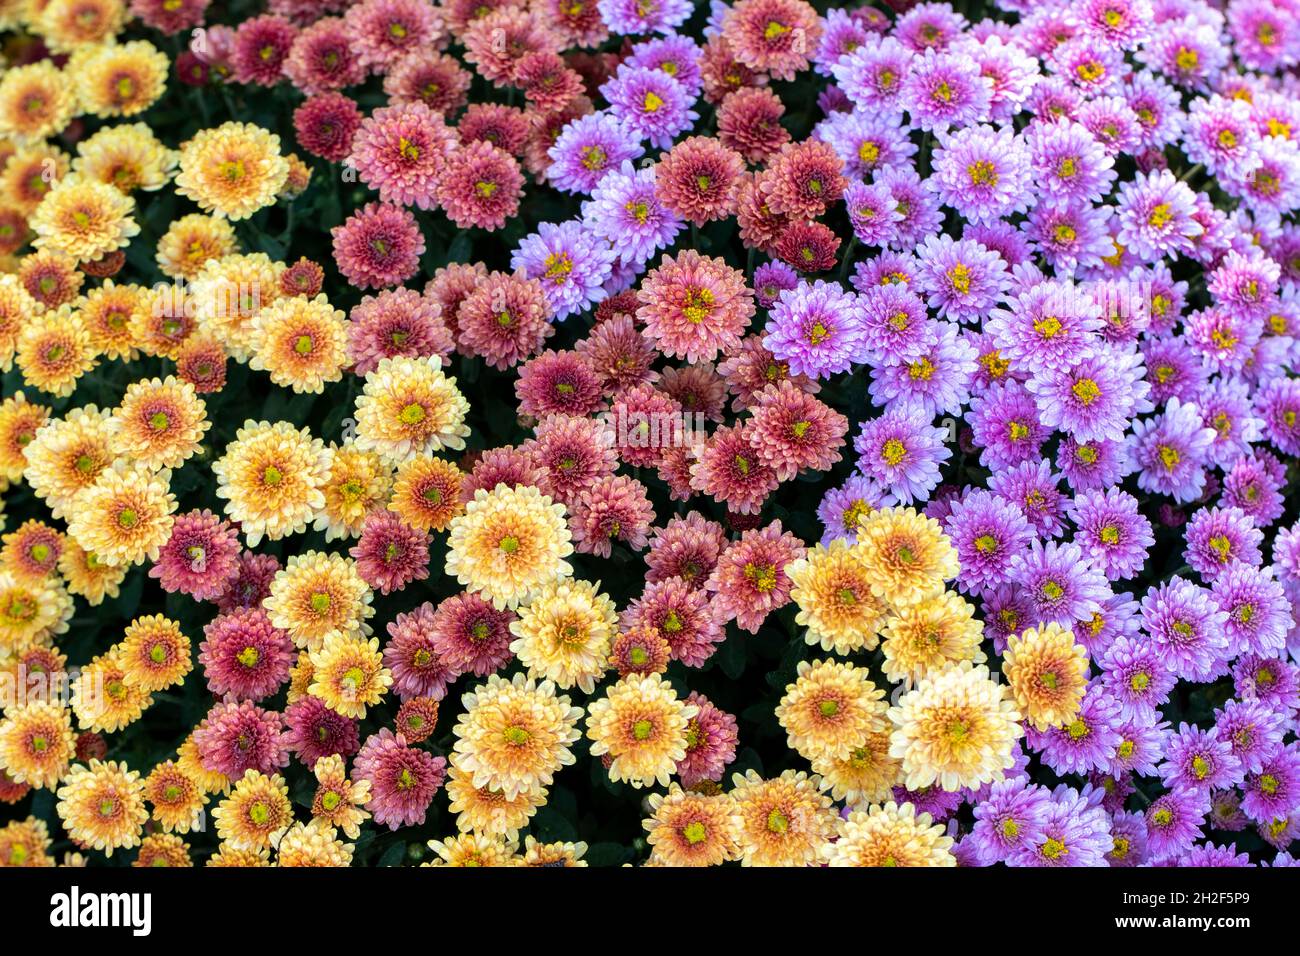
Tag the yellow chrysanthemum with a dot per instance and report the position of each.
(66, 25)
(471, 849)
(339, 801)
(889, 835)
(51, 277)
(37, 744)
(127, 157)
(301, 342)
(65, 456)
(54, 351)
(349, 675)
(103, 699)
(25, 843)
(30, 173)
(155, 653)
(126, 516)
(426, 493)
(84, 219)
(227, 295)
(20, 421)
(229, 856)
(691, 829)
(111, 313)
(358, 483)
(514, 734)
(187, 760)
(930, 635)
(867, 775)
(957, 729)
(314, 843)
(552, 854)
(37, 100)
(833, 592)
(17, 307)
(87, 576)
(178, 799)
(783, 821)
(160, 422)
(1048, 674)
(256, 813)
(641, 724)
(487, 810)
(31, 612)
(102, 806)
(907, 555)
(192, 241)
(165, 322)
(300, 677)
(830, 708)
(163, 849)
(271, 477)
(119, 80)
(233, 169)
(508, 543)
(408, 407)
(318, 596)
(564, 633)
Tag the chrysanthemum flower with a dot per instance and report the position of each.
(126, 515)
(564, 632)
(792, 430)
(923, 638)
(235, 737)
(571, 263)
(907, 555)
(867, 775)
(957, 728)
(317, 597)
(245, 655)
(178, 799)
(403, 780)
(32, 551)
(489, 811)
(696, 180)
(37, 745)
(378, 246)
(508, 544)
(728, 469)
(514, 735)
(349, 675)
(752, 576)
(833, 591)
(256, 813)
(102, 806)
(773, 36)
(641, 724)
(84, 218)
(191, 241)
(829, 709)
(426, 493)
(301, 342)
(31, 610)
(37, 100)
(784, 821)
(233, 169)
(315, 731)
(54, 351)
(429, 76)
(1048, 673)
(25, 843)
(159, 423)
(889, 835)
(691, 829)
(473, 850)
(271, 477)
(400, 151)
(408, 407)
(155, 653)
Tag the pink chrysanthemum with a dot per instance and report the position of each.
(201, 558)
(260, 48)
(792, 430)
(450, 286)
(235, 737)
(402, 779)
(390, 554)
(749, 121)
(418, 669)
(384, 31)
(729, 470)
(315, 731)
(772, 36)
(380, 245)
(683, 617)
(574, 453)
(471, 635)
(496, 43)
(401, 151)
(618, 352)
(803, 180)
(252, 582)
(511, 467)
(687, 547)
(322, 58)
(397, 322)
(711, 739)
(245, 655)
(750, 580)
(432, 78)
(752, 367)
(559, 383)
(695, 306)
(504, 319)
(480, 185)
(546, 79)
(505, 127)
(697, 179)
(325, 125)
(613, 508)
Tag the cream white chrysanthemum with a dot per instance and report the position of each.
(958, 728)
(229, 292)
(31, 611)
(889, 835)
(930, 635)
(271, 477)
(641, 724)
(67, 455)
(564, 633)
(515, 734)
(408, 407)
(126, 516)
(830, 708)
(84, 219)
(301, 342)
(508, 544)
(127, 156)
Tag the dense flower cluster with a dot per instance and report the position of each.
(455, 432)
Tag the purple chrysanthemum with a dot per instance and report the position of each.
(587, 149)
(903, 451)
(1061, 584)
(625, 211)
(982, 172)
(1170, 450)
(651, 104)
(1136, 677)
(1113, 533)
(1186, 623)
(817, 328)
(569, 261)
(987, 532)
